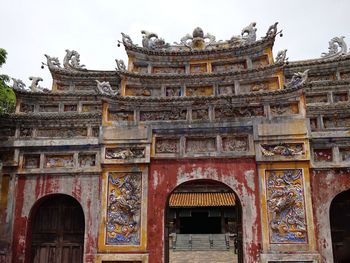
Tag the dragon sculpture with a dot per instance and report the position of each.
(72, 60)
(337, 47)
(150, 40)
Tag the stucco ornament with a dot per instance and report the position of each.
(197, 40)
(105, 88)
(72, 60)
(150, 40)
(120, 65)
(18, 84)
(298, 79)
(35, 84)
(52, 62)
(337, 47)
(281, 56)
(248, 35)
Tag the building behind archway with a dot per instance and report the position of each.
(147, 148)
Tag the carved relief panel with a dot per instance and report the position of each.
(31, 161)
(171, 114)
(282, 149)
(340, 96)
(200, 114)
(226, 113)
(226, 89)
(224, 67)
(198, 68)
(286, 206)
(26, 108)
(167, 145)
(59, 161)
(123, 213)
(64, 132)
(199, 91)
(319, 98)
(336, 122)
(125, 153)
(48, 108)
(235, 143)
(200, 145)
(169, 70)
(87, 160)
(173, 91)
(120, 115)
(284, 109)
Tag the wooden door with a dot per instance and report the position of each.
(58, 231)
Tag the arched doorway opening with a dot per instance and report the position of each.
(203, 216)
(56, 230)
(340, 227)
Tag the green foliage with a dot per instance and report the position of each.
(7, 99)
(7, 96)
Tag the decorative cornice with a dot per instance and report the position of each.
(51, 116)
(252, 95)
(318, 61)
(238, 48)
(203, 75)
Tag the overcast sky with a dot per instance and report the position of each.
(30, 29)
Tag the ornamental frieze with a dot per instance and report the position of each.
(123, 214)
(285, 206)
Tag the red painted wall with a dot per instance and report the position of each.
(238, 174)
(29, 189)
(325, 185)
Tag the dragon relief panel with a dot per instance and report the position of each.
(123, 209)
(282, 149)
(125, 153)
(285, 206)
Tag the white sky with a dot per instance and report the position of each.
(31, 28)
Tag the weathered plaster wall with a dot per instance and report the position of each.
(239, 174)
(30, 188)
(325, 185)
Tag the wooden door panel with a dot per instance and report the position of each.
(58, 231)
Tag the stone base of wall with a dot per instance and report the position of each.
(202, 256)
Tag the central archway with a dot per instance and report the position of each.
(203, 216)
(56, 232)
